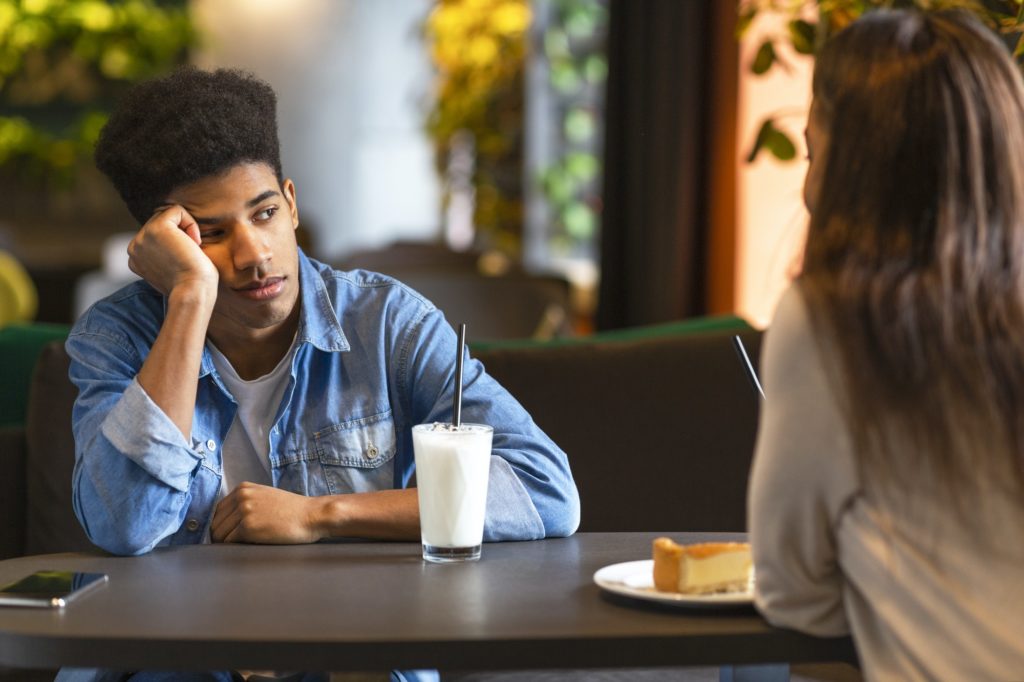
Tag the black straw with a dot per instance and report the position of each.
(741, 351)
(457, 421)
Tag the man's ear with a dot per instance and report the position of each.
(288, 187)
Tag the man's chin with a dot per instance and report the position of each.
(264, 318)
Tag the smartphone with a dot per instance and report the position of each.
(50, 589)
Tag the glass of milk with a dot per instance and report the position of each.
(452, 464)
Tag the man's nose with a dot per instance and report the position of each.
(249, 247)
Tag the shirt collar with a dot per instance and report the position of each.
(318, 321)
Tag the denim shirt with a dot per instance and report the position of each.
(372, 359)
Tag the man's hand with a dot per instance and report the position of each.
(262, 514)
(166, 253)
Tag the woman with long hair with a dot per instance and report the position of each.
(887, 493)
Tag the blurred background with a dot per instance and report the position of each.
(540, 168)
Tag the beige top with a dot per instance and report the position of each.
(924, 597)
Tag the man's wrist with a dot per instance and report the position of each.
(327, 516)
(193, 294)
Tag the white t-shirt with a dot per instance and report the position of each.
(245, 453)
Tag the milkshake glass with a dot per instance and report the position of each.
(452, 466)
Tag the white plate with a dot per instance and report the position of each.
(635, 579)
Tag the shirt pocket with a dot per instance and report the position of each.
(359, 455)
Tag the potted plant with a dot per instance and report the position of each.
(807, 24)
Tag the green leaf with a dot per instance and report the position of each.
(764, 59)
(746, 18)
(579, 125)
(579, 220)
(581, 22)
(801, 34)
(582, 166)
(776, 142)
(556, 43)
(755, 148)
(779, 144)
(558, 186)
(596, 69)
(564, 76)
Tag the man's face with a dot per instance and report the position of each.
(247, 222)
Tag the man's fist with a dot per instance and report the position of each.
(262, 514)
(166, 252)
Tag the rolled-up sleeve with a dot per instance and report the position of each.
(133, 468)
(139, 430)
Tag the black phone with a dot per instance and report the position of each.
(50, 589)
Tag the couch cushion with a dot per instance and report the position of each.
(12, 491)
(659, 431)
(51, 525)
(20, 345)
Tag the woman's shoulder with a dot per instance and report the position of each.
(790, 346)
(791, 316)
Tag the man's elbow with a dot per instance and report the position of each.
(563, 517)
(117, 538)
(121, 542)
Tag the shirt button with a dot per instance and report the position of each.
(210, 445)
(192, 525)
(372, 451)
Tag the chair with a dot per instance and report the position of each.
(406, 256)
(659, 428)
(506, 304)
(20, 346)
(513, 306)
(39, 457)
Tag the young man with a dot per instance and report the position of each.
(243, 392)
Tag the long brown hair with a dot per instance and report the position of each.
(914, 263)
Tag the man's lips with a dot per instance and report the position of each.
(262, 289)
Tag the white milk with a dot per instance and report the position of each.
(451, 475)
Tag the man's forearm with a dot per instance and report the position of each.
(386, 515)
(170, 374)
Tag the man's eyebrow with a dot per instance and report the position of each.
(255, 201)
(261, 198)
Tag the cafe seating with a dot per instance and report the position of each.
(38, 459)
(658, 423)
(37, 454)
(496, 299)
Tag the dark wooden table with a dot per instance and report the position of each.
(377, 606)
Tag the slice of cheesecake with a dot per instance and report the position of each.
(703, 568)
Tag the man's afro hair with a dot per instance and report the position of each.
(186, 126)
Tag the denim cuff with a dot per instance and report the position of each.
(510, 511)
(138, 429)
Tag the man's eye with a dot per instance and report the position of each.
(211, 235)
(267, 213)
